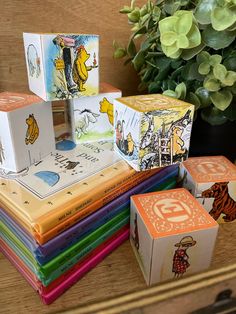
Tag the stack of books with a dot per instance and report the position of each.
(62, 216)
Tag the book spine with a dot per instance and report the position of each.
(118, 189)
(46, 222)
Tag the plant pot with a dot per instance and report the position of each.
(208, 140)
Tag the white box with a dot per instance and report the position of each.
(92, 118)
(152, 131)
(26, 130)
(212, 180)
(171, 234)
(62, 66)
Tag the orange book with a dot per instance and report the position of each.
(61, 186)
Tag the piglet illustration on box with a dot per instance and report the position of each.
(181, 260)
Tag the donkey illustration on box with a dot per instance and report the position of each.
(223, 202)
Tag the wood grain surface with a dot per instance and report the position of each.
(75, 16)
(118, 274)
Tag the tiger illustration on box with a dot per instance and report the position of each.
(223, 202)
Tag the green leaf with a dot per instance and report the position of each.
(131, 49)
(230, 78)
(167, 24)
(168, 38)
(139, 31)
(215, 59)
(138, 60)
(134, 16)
(154, 87)
(219, 72)
(213, 116)
(230, 63)
(171, 6)
(172, 51)
(190, 53)
(217, 40)
(204, 68)
(156, 14)
(211, 84)
(204, 96)
(203, 11)
(180, 91)
(143, 10)
(184, 24)
(182, 42)
(193, 99)
(119, 53)
(125, 9)
(222, 18)
(222, 99)
(146, 77)
(194, 37)
(170, 93)
(190, 72)
(204, 56)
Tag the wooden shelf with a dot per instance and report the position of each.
(118, 275)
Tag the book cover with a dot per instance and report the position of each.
(62, 184)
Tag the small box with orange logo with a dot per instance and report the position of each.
(212, 180)
(26, 131)
(152, 131)
(171, 233)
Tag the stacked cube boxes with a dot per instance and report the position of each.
(26, 130)
(212, 180)
(171, 234)
(152, 131)
(62, 66)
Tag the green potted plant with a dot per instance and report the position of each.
(186, 49)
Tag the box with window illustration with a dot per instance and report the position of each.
(152, 130)
(171, 233)
(92, 118)
(212, 180)
(62, 66)
(26, 131)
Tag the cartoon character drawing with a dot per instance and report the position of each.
(130, 144)
(148, 136)
(119, 133)
(223, 202)
(2, 155)
(32, 132)
(86, 117)
(148, 161)
(65, 60)
(136, 235)
(33, 61)
(107, 107)
(181, 258)
(80, 69)
(182, 122)
(178, 143)
(71, 164)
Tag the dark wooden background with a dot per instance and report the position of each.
(76, 16)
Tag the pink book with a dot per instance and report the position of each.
(60, 285)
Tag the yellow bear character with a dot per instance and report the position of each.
(80, 69)
(178, 143)
(32, 132)
(130, 143)
(107, 107)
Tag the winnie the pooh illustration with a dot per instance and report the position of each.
(130, 144)
(107, 107)
(80, 69)
(32, 132)
(178, 143)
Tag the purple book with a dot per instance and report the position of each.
(44, 253)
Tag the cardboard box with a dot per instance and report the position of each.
(62, 66)
(152, 130)
(212, 180)
(92, 118)
(171, 234)
(26, 130)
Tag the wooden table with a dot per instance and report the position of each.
(119, 279)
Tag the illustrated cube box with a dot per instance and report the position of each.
(212, 180)
(171, 233)
(26, 130)
(152, 130)
(62, 66)
(92, 118)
